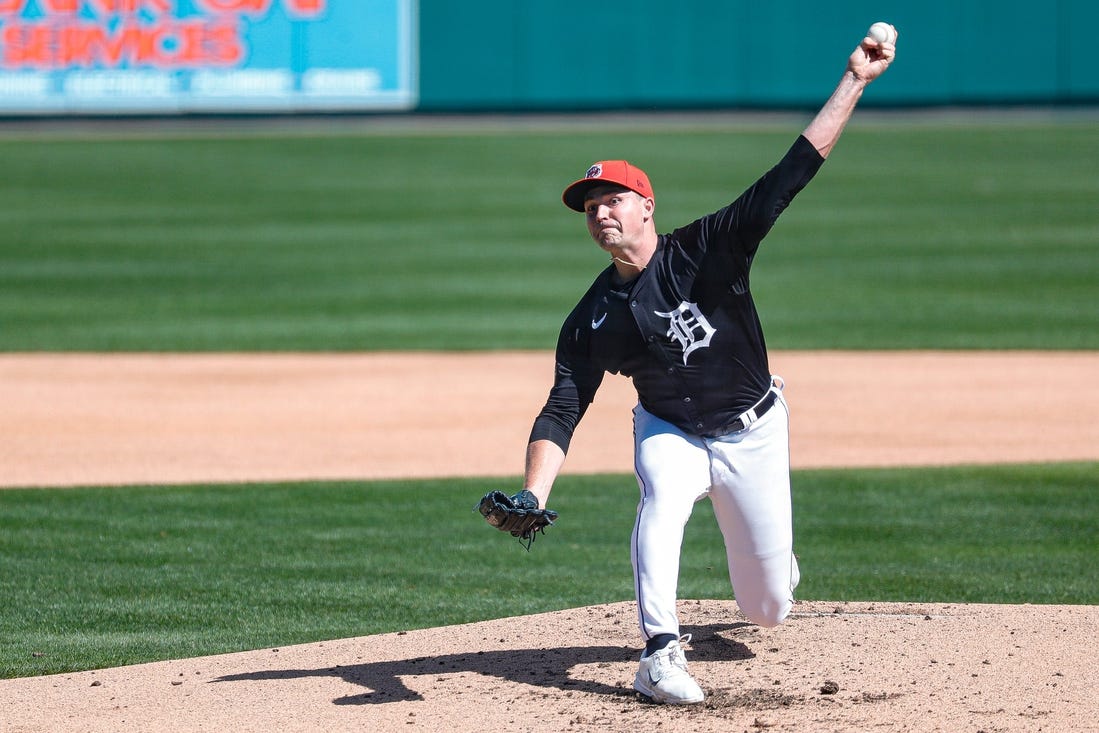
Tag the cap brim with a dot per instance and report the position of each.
(574, 195)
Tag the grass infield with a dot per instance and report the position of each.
(100, 577)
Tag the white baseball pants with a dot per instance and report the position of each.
(746, 475)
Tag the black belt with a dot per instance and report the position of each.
(755, 412)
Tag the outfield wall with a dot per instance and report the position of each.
(552, 54)
(60, 57)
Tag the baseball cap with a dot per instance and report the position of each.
(619, 172)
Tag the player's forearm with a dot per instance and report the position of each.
(825, 129)
(544, 461)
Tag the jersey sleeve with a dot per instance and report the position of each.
(760, 206)
(749, 218)
(576, 380)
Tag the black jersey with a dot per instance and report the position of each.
(686, 331)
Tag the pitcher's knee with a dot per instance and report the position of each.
(767, 612)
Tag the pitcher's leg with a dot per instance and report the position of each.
(672, 474)
(751, 498)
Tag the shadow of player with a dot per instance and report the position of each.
(550, 667)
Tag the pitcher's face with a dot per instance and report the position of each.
(616, 216)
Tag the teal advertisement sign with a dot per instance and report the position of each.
(156, 56)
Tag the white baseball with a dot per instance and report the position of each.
(882, 32)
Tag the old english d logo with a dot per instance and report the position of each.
(689, 328)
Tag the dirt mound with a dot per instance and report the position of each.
(835, 667)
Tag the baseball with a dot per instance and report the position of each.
(882, 32)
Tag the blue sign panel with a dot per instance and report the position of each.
(154, 56)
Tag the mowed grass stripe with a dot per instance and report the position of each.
(912, 236)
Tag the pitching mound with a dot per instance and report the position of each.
(834, 667)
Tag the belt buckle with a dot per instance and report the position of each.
(748, 417)
(756, 411)
(744, 420)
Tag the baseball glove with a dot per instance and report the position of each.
(518, 514)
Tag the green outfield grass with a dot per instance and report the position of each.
(109, 576)
(952, 235)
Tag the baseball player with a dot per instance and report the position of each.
(674, 313)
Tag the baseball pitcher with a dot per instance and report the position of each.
(674, 312)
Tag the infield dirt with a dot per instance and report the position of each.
(112, 419)
(162, 419)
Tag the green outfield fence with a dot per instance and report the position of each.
(567, 54)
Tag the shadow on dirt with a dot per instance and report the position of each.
(550, 667)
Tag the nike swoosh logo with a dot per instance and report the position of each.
(596, 324)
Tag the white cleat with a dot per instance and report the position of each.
(663, 677)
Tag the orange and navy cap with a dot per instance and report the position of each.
(605, 172)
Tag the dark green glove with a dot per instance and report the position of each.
(518, 514)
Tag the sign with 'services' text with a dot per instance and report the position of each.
(155, 56)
